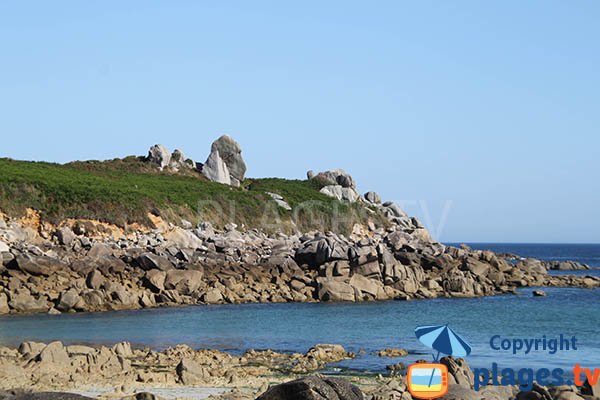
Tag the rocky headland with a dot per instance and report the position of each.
(80, 264)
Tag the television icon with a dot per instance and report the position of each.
(427, 380)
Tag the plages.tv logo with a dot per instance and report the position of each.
(430, 380)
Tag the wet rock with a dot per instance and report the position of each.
(393, 353)
(539, 293)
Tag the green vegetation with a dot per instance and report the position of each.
(125, 191)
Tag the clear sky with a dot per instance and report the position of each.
(488, 110)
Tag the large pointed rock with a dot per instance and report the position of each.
(231, 153)
(215, 169)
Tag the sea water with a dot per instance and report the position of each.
(363, 328)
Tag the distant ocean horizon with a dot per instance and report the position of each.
(585, 253)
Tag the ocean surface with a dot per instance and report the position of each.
(363, 328)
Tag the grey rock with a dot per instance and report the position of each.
(4, 309)
(340, 193)
(94, 279)
(336, 177)
(334, 290)
(27, 395)
(280, 201)
(155, 280)
(25, 302)
(65, 236)
(190, 372)
(459, 392)
(591, 390)
(148, 261)
(394, 210)
(373, 197)
(314, 388)
(38, 265)
(216, 170)
(185, 282)
(231, 153)
(4, 248)
(54, 353)
(179, 161)
(68, 300)
(460, 370)
(159, 155)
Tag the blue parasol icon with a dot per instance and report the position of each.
(444, 340)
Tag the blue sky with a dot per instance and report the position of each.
(488, 110)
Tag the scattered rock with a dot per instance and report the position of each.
(393, 353)
(280, 201)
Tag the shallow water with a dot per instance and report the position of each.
(360, 327)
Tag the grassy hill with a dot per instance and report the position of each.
(124, 191)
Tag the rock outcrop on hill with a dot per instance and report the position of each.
(231, 153)
(160, 156)
(224, 163)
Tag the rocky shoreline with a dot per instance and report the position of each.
(91, 266)
(39, 371)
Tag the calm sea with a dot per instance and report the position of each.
(362, 327)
